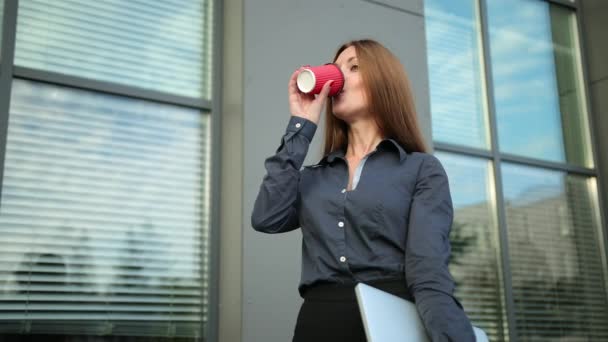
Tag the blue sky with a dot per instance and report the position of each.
(525, 93)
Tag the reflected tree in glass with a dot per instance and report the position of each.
(117, 187)
(556, 260)
(474, 239)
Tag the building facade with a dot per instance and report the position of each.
(134, 135)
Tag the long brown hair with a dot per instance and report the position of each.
(389, 98)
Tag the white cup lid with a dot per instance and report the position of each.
(306, 81)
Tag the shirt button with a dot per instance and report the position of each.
(343, 259)
(298, 125)
(340, 224)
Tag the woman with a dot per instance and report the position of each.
(376, 209)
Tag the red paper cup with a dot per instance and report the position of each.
(311, 79)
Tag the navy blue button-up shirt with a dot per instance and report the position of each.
(394, 224)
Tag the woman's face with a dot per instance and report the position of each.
(351, 102)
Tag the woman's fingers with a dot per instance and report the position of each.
(325, 90)
(306, 105)
(322, 97)
(293, 87)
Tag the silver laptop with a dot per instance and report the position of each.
(387, 317)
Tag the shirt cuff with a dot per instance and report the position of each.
(302, 126)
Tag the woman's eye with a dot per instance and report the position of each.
(354, 67)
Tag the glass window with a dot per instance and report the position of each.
(557, 271)
(537, 81)
(458, 106)
(474, 238)
(104, 221)
(157, 45)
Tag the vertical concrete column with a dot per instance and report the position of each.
(593, 16)
(231, 198)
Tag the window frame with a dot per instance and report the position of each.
(8, 72)
(497, 158)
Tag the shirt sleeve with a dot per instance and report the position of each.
(427, 255)
(275, 208)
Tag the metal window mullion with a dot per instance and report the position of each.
(215, 169)
(109, 88)
(505, 157)
(469, 151)
(574, 4)
(9, 31)
(594, 133)
(496, 157)
(568, 168)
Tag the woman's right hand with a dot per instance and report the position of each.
(307, 106)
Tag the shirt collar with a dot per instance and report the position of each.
(328, 159)
(383, 144)
(397, 147)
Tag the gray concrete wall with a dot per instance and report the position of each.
(279, 36)
(594, 19)
(264, 41)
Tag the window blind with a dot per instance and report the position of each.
(453, 36)
(559, 282)
(158, 45)
(104, 217)
(474, 239)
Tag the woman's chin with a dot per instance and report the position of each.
(344, 116)
(338, 113)
(340, 110)
(351, 116)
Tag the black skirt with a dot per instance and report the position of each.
(330, 312)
